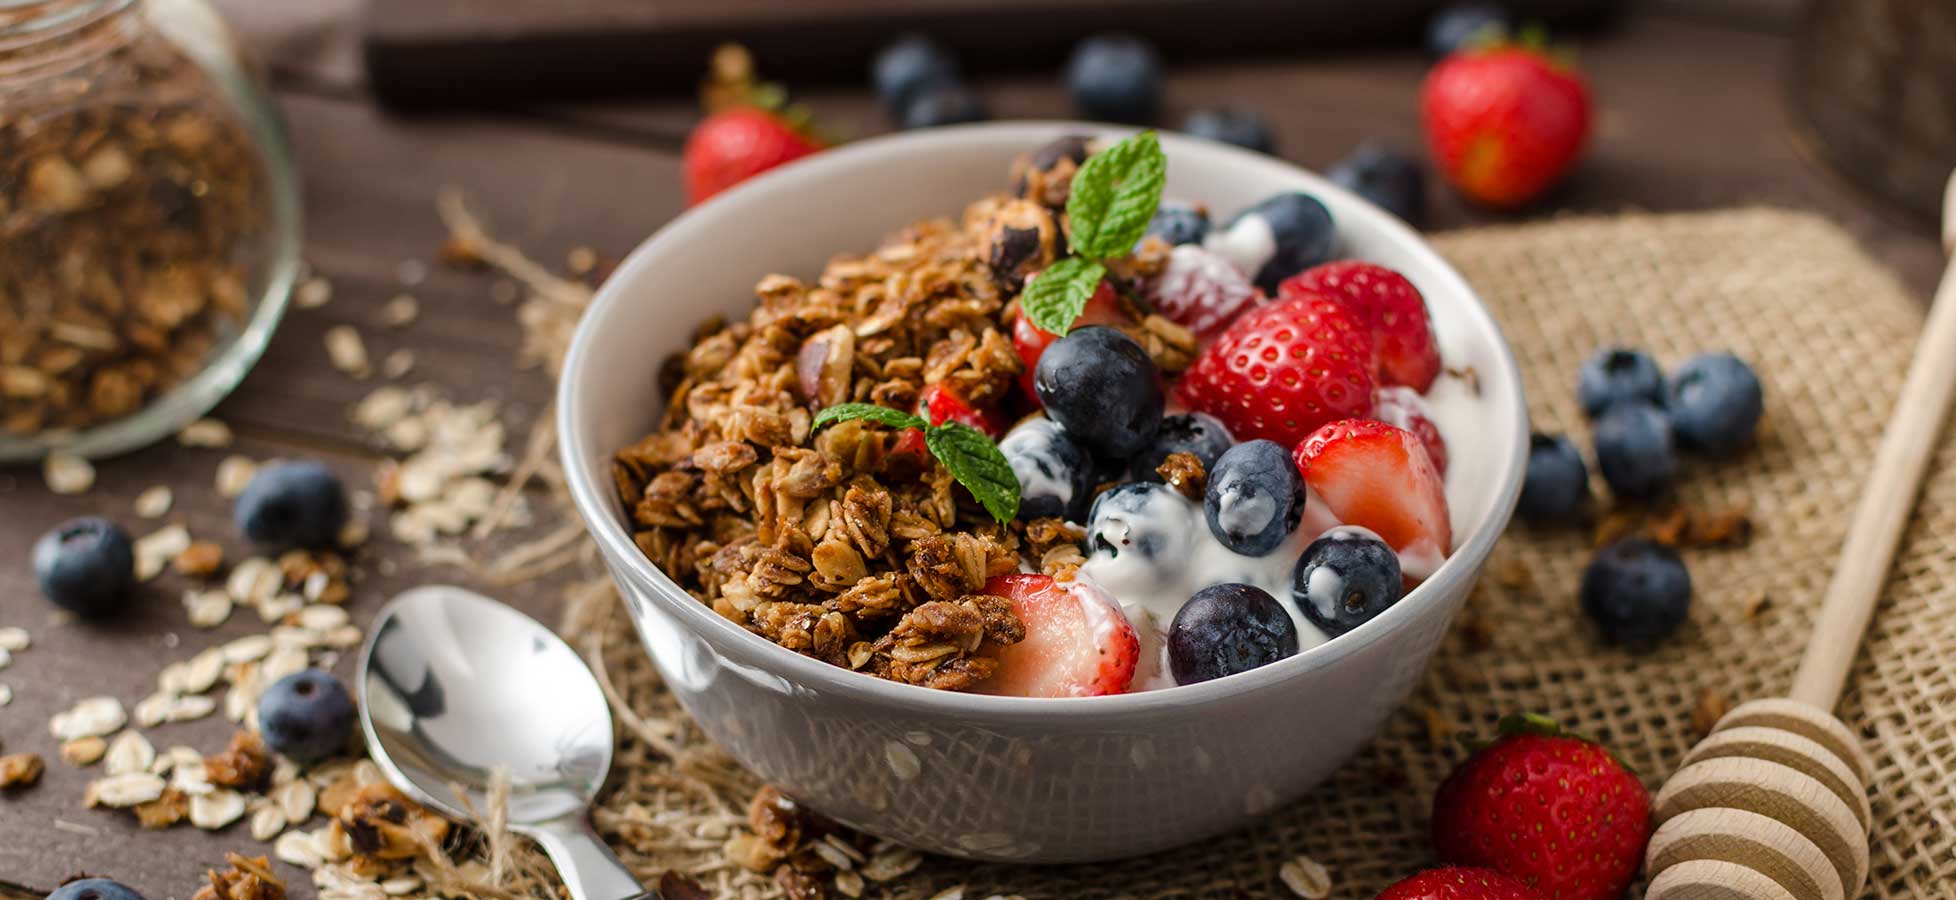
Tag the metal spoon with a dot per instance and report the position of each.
(453, 685)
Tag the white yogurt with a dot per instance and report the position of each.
(1248, 242)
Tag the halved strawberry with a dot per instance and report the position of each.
(1077, 644)
(1103, 308)
(1284, 369)
(940, 404)
(1402, 406)
(1390, 306)
(1378, 476)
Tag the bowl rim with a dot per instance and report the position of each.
(591, 494)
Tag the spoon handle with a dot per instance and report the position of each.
(589, 869)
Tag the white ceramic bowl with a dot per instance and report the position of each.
(1007, 778)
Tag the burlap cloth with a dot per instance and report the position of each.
(1830, 334)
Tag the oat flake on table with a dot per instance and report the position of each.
(234, 473)
(14, 639)
(154, 502)
(347, 351)
(154, 551)
(205, 433)
(92, 717)
(313, 293)
(67, 474)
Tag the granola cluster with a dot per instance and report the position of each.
(852, 544)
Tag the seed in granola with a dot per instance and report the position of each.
(1306, 877)
(205, 433)
(346, 351)
(154, 502)
(18, 770)
(68, 474)
(86, 751)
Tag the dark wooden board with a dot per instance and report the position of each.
(470, 52)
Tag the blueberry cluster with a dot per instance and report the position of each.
(1104, 422)
(1638, 591)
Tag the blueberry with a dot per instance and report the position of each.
(1615, 375)
(1116, 78)
(94, 889)
(1634, 450)
(1556, 489)
(1147, 520)
(1255, 497)
(1345, 578)
(85, 565)
(1277, 238)
(1464, 25)
(306, 715)
(1179, 223)
(1388, 178)
(1237, 125)
(1196, 433)
(292, 504)
(1055, 473)
(1228, 628)
(1714, 402)
(1103, 389)
(906, 68)
(1636, 590)
(944, 104)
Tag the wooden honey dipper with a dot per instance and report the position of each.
(1773, 804)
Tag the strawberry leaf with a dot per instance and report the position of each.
(1114, 195)
(882, 415)
(1056, 297)
(978, 465)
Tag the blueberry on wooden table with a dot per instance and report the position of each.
(1635, 450)
(1345, 579)
(1055, 473)
(306, 716)
(85, 565)
(1556, 487)
(1715, 403)
(1225, 629)
(1115, 78)
(1277, 238)
(1100, 386)
(1636, 591)
(1255, 497)
(1616, 375)
(95, 889)
(908, 67)
(944, 104)
(1237, 125)
(1198, 434)
(1392, 180)
(293, 504)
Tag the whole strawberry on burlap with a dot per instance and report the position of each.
(1459, 883)
(748, 129)
(1557, 812)
(1504, 123)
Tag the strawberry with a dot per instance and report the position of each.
(1200, 290)
(1389, 305)
(1551, 809)
(1404, 407)
(1103, 308)
(1459, 883)
(1077, 643)
(1377, 476)
(1504, 123)
(1284, 369)
(734, 145)
(940, 404)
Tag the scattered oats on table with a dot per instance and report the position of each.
(347, 351)
(1306, 877)
(83, 751)
(400, 311)
(155, 550)
(205, 433)
(68, 474)
(92, 717)
(154, 502)
(18, 770)
(313, 293)
(234, 473)
(14, 639)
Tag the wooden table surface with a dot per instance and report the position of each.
(1691, 117)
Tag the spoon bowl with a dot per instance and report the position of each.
(455, 686)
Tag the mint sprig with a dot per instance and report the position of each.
(970, 456)
(1112, 197)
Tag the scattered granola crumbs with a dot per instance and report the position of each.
(169, 808)
(400, 311)
(1439, 728)
(201, 559)
(234, 473)
(83, 751)
(1617, 524)
(154, 502)
(1306, 877)
(347, 351)
(154, 551)
(244, 763)
(313, 293)
(19, 770)
(248, 878)
(1183, 472)
(68, 474)
(1711, 707)
(205, 433)
(383, 823)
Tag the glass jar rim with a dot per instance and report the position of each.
(39, 37)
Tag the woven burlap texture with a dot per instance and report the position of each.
(1830, 334)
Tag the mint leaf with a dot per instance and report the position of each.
(882, 415)
(1114, 195)
(978, 465)
(1055, 297)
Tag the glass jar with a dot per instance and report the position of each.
(149, 222)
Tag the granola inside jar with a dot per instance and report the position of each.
(148, 222)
